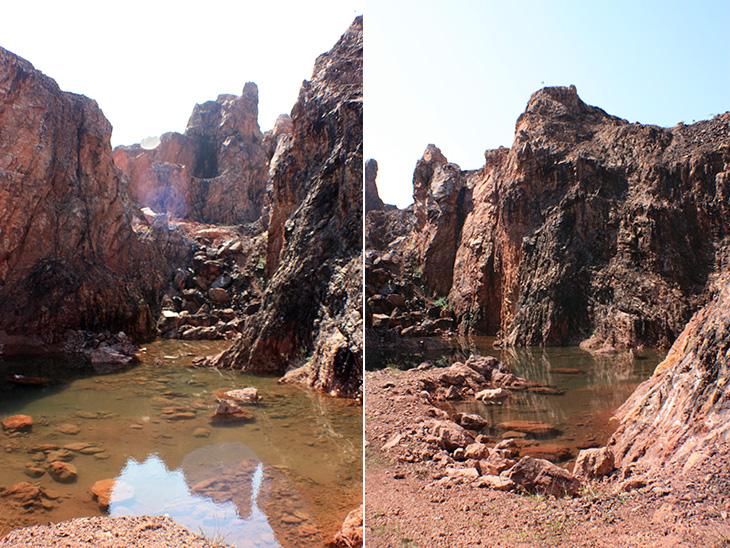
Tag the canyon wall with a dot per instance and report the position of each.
(311, 313)
(69, 258)
(194, 175)
(590, 229)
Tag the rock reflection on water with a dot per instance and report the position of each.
(222, 491)
(286, 478)
(224, 505)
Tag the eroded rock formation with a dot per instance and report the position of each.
(69, 258)
(313, 303)
(679, 417)
(194, 175)
(589, 229)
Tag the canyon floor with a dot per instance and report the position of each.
(407, 506)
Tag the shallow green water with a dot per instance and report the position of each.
(287, 478)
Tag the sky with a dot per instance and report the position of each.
(458, 74)
(147, 63)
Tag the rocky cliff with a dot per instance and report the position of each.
(589, 229)
(311, 313)
(69, 258)
(194, 175)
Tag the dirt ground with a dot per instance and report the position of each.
(406, 505)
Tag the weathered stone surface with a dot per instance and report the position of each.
(17, 423)
(313, 302)
(544, 477)
(194, 175)
(227, 411)
(679, 417)
(62, 472)
(594, 463)
(350, 534)
(69, 258)
(447, 434)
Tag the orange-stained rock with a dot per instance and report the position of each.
(679, 418)
(63, 472)
(196, 175)
(350, 534)
(69, 258)
(102, 490)
(17, 423)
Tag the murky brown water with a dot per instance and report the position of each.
(595, 386)
(288, 478)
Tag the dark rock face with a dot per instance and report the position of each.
(372, 198)
(313, 302)
(194, 175)
(69, 258)
(589, 229)
(679, 417)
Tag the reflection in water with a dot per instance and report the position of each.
(156, 490)
(287, 478)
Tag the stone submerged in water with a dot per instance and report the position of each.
(229, 412)
(17, 423)
(533, 428)
(240, 395)
(63, 472)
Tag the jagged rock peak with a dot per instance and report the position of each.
(372, 197)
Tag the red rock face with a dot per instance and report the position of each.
(68, 256)
(314, 299)
(194, 175)
(588, 229)
(680, 416)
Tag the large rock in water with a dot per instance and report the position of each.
(195, 175)
(69, 258)
(313, 302)
(590, 228)
(680, 417)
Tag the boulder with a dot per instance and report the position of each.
(543, 477)
(594, 463)
(492, 395)
(229, 412)
(447, 434)
(17, 423)
(62, 472)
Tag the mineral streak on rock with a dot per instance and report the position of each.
(313, 303)
(69, 258)
(196, 175)
(589, 229)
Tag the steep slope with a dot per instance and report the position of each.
(589, 229)
(69, 258)
(312, 307)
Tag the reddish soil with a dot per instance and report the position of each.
(405, 506)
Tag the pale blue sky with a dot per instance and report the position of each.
(147, 62)
(458, 74)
